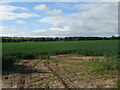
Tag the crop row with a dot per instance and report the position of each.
(11, 52)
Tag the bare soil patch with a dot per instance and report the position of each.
(57, 72)
(30, 74)
(69, 72)
(70, 57)
(79, 71)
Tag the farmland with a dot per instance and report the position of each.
(97, 48)
(81, 61)
(32, 50)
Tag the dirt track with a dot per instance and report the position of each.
(18, 75)
(49, 74)
(69, 57)
(23, 74)
(62, 78)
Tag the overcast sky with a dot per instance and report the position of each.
(59, 19)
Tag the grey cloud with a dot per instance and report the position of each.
(103, 16)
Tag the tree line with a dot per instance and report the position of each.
(28, 39)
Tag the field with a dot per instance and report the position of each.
(59, 64)
(29, 50)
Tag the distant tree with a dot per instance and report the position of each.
(43, 39)
(113, 37)
(56, 39)
(66, 39)
(86, 38)
(61, 39)
(50, 39)
(104, 38)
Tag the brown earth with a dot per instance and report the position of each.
(69, 57)
(89, 80)
(50, 74)
(30, 74)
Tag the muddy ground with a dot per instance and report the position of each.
(62, 71)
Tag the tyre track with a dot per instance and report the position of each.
(56, 71)
(24, 74)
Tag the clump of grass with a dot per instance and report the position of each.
(28, 56)
(7, 62)
(43, 57)
(108, 64)
(118, 84)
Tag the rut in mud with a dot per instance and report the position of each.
(30, 74)
(83, 73)
(18, 75)
(65, 72)
(25, 73)
(56, 71)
